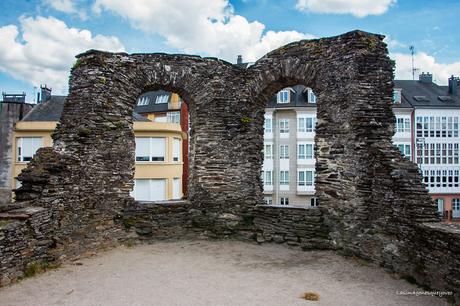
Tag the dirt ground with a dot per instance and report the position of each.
(213, 273)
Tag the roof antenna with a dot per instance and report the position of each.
(412, 51)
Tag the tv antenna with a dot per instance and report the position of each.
(412, 51)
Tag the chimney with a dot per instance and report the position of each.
(426, 78)
(453, 89)
(239, 60)
(45, 93)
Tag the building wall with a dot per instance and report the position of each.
(10, 113)
(143, 170)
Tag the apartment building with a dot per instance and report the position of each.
(426, 132)
(159, 155)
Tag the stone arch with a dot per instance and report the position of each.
(351, 75)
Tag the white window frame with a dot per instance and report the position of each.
(152, 195)
(176, 149)
(302, 179)
(268, 125)
(284, 178)
(161, 159)
(143, 101)
(37, 143)
(402, 124)
(162, 99)
(173, 117)
(311, 96)
(267, 178)
(268, 200)
(283, 96)
(397, 96)
(176, 188)
(284, 151)
(306, 124)
(283, 126)
(268, 151)
(303, 147)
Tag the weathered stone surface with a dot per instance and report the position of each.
(373, 202)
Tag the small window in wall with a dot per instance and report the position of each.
(176, 149)
(284, 151)
(314, 202)
(143, 101)
(397, 96)
(304, 151)
(149, 190)
(305, 178)
(267, 178)
(283, 96)
(402, 125)
(311, 96)
(284, 201)
(268, 125)
(284, 126)
(173, 117)
(306, 124)
(284, 177)
(440, 204)
(150, 149)
(27, 147)
(404, 149)
(162, 99)
(268, 151)
(268, 200)
(162, 119)
(176, 188)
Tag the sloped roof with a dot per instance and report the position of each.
(426, 95)
(51, 110)
(152, 107)
(299, 98)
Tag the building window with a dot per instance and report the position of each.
(306, 124)
(284, 177)
(150, 149)
(267, 178)
(284, 201)
(268, 151)
(173, 117)
(268, 125)
(440, 204)
(456, 208)
(27, 147)
(143, 101)
(437, 153)
(284, 126)
(402, 125)
(441, 178)
(314, 202)
(284, 151)
(161, 99)
(404, 149)
(396, 96)
(149, 190)
(438, 127)
(176, 188)
(304, 151)
(283, 96)
(161, 118)
(268, 200)
(311, 96)
(176, 149)
(306, 178)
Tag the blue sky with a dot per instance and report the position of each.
(39, 38)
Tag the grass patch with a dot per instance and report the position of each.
(38, 267)
(310, 296)
(129, 244)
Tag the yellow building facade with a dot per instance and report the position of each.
(158, 166)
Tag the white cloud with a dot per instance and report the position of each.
(358, 8)
(200, 26)
(45, 48)
(393, 43)
(66, 6)
(424, 63)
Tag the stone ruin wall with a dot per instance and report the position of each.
(373, 204)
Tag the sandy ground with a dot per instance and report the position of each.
(213, 273)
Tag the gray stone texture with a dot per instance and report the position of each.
(373, 204)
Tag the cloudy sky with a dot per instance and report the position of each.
(39, 38)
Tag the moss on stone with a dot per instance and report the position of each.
(38, 267)
(77, 64)
(4, 223)
(128, 222)
(83, 132)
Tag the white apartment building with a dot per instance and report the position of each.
(426, 132)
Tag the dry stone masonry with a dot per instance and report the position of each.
(373, 204)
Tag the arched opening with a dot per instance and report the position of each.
(288, 168)
(161, 131)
